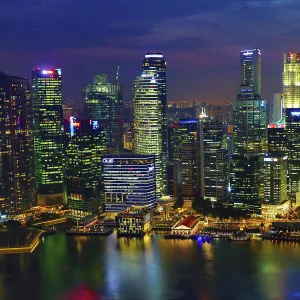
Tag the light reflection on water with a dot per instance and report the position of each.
(153, 268)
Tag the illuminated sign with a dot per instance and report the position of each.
(295, 113)
(108, 161)
(154, 56)
(270, 159)
(247, 53)
(95, 124)
(47, 72)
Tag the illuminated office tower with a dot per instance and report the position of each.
(103, 101)
(85, 147)
(213, 160)
(48, 135)
(249, 130)
(291, 80)
(275, 179)
(292, 123)
(16, 145)
(277, 138)
(155, 64)
(128, 179)
(147, 109)
(250, 69)
(249, 134)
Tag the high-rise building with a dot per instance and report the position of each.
(128, 179)
(148, 122)
(48, 135)
(188, 168)
(250, 69)
(275, 108)
(103, 101)
(291, 80)
(275, 179)
(155, 64)
(249, 133)
(17, 191)
(277, 138)
(292, 123)
(85, 145)
(245, 176)
(213, 160)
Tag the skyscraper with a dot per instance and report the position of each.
(250, 69)
(249, 133)
(16, 145)
(291, 80)
(213, 160)
(85, 146)
(103, 101)
(155, 64)
(275, 108)
(48, 135)
(148, 122)
(292, 123)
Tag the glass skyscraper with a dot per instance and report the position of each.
(128, 179)
(291, 80)
(155, 65)
(48, 135)
(103, 101)
(249, 133)
(85, 145)
(17, 191)
(292, 123)
(148, 121)
(250, 69)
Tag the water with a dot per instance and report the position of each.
(153, 268)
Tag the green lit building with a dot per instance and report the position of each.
(85, 145)
(103, 101)
(17, 191)
(48, 135)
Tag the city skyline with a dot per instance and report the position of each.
(199, 41)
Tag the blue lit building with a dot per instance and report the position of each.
(128, 179)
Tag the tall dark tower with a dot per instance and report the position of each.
(48, 135)
(16, 145)
(155, 64)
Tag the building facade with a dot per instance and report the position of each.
(148, 122)
(103, 101)
(128, 179)
(275, 179)
(17, 191)
(85, 147)
(292, 123)
(291, 80)
(48, 135)
(214, 160)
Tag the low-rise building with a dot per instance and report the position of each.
(186, 226)
(134, 221)
(269, 211)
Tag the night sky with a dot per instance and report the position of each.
(200, 39)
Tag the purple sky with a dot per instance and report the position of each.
(200, 39)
